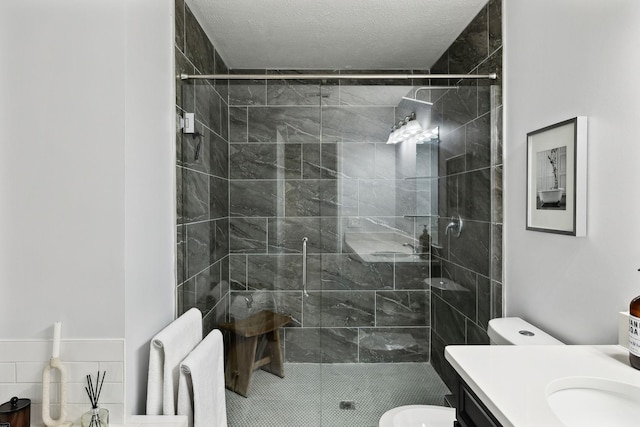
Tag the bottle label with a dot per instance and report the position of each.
(634, 335)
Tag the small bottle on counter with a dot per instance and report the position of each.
(634, 332)
(425, 243)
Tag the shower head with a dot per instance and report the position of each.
(419, 101)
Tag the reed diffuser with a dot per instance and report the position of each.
(96, 417)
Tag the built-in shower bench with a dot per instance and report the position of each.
(245, 355)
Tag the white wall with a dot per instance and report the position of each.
(565, 58)
(86, 172)
(150, 212)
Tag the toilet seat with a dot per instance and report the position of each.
(418, 416)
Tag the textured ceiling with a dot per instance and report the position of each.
(333, 34)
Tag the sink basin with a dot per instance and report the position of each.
(594, 402)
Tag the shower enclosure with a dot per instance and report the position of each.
(273, 162)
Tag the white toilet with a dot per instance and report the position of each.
(501, 331)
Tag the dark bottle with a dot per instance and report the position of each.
(634, 332)
(425, 243)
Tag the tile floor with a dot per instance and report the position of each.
(310, 394)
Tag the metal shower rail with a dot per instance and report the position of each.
(491, 76)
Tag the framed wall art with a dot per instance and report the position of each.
(557, 178)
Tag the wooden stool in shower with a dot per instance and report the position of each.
(242, 361)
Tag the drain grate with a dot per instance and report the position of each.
(347, 404)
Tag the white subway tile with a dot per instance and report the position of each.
(31, 391)
(111, 393)
(25, 351)
(115, 371)
(7, 373)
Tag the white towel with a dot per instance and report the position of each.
(201, 389)
(167, 350)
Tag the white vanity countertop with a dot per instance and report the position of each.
(512, 380)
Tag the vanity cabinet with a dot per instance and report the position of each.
(470, 411)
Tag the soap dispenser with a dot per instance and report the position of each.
(425, 243)
(634, 332)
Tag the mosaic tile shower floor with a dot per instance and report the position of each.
(310, 394)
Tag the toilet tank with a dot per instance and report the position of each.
(515, 331)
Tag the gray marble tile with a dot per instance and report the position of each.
(440, 364)
(478, 143)
(219, 156)
(284, 124)
(185, 95)
(255, 198)
(274, 272)
(339, 309)
(246, 303)
(247, 92)
(179, 23)
(285, 235)
(221, 239)
(218, 197)
(253, 161)
(208, 105)
(186, 295)
(484, 301)
(321, 345)
(488, 97)
(460, 106)
(403, 308)
(471, 46)
(248, 235)
(349, 196)
(471, 249)
(377, 197)
(196, 150)
(238, 271)
(462, 300)
(302, 198)
(200, 246)
(372, 94)
(179, 196)
(222, 86)
(238, 124)
(224, 124)
(208, 288)
(496, 253)
(292, 160)
(383, 345)
(181, 253)
(356, 124)
(330, 161)
(293, 92)
(476, 335)
(385, 163)
(348, 272)
(452, 146)
(495, 25)
(475, 195)
(412, 275)
(198, 48)
(311, 161)
(497, 297)
(448, 323)
(358, 160)
(496, 136)
(330, 203)
(195, 196)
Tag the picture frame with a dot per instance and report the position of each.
(557, 178)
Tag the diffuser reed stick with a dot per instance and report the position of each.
(93, 391)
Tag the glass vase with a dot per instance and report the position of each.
(96, 417)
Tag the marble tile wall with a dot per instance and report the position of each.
(202, 176)
(306, 160)
(470, 184)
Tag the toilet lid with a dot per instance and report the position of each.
(418, 416)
